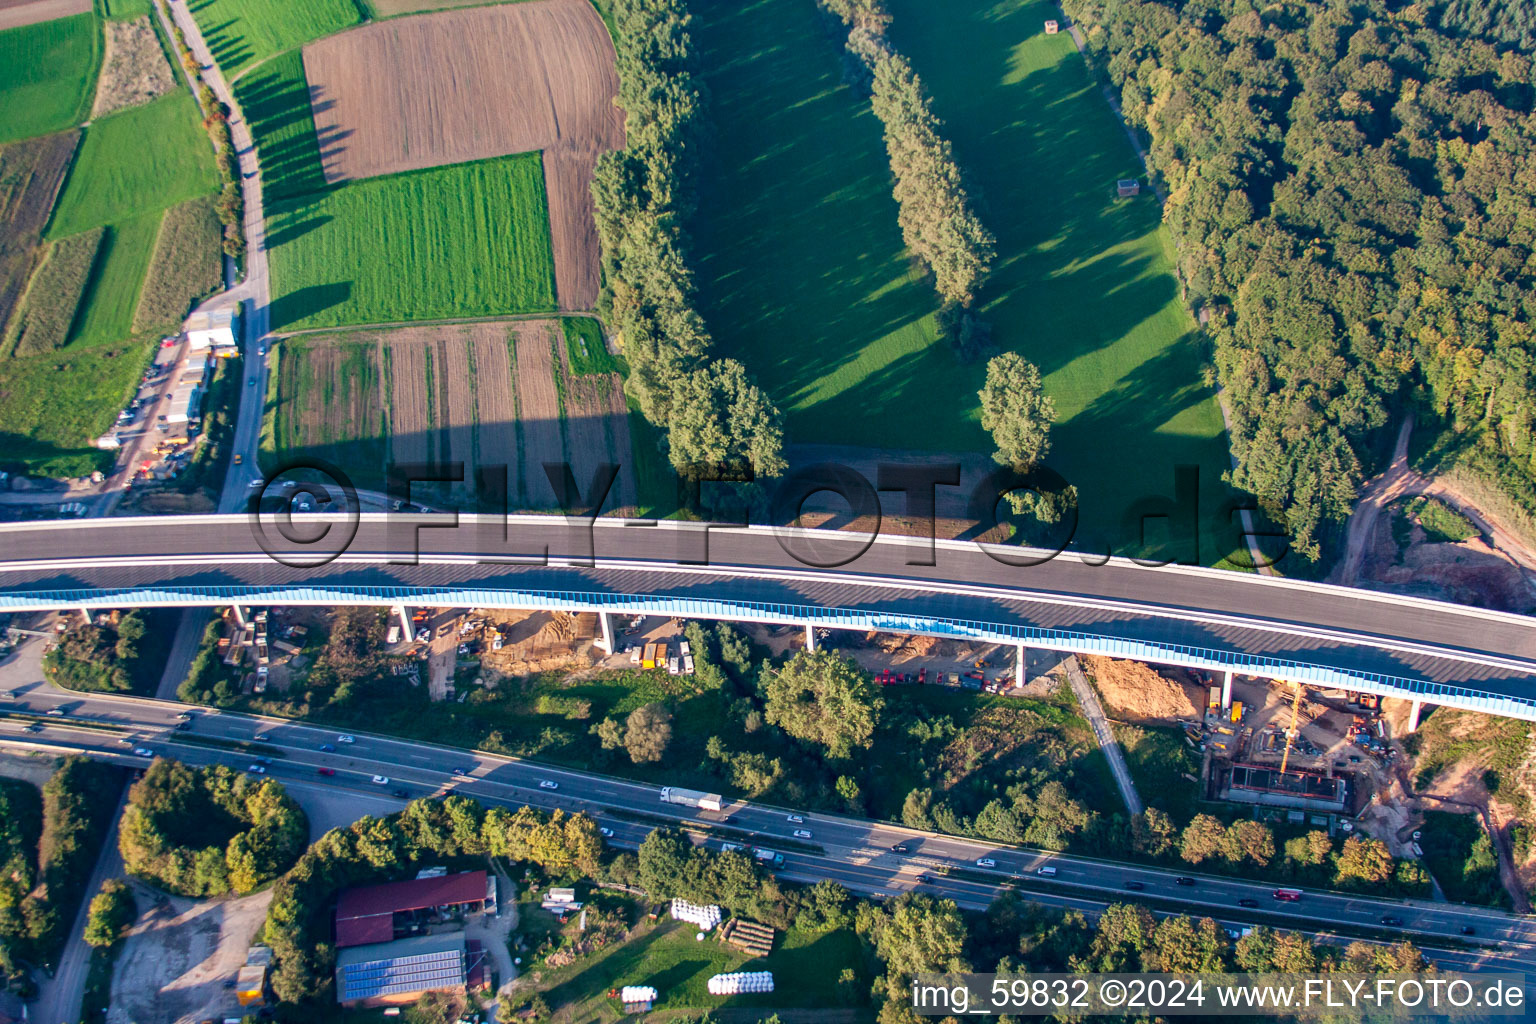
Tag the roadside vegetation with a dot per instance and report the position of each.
(112, 912)
(126, 654)
(47, 75)
(48, 865)
(209, 831)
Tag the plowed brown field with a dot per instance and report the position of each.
(538, 410)
(472, 84)
(483, 394)
(15, 13)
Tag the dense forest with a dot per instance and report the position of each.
(1350, 188)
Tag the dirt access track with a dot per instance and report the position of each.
(16, 13)
(470, 84)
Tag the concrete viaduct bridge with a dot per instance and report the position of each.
(1429, 652)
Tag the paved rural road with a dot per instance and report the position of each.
(255, 292)
(1205, 618)
(858, 853)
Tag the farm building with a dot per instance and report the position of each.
(1127, 187)
(391, 973)
(1052, 27)
(211, 329)
(377, 913)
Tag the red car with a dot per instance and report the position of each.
(327, 771)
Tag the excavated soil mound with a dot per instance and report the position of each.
(1136, 692)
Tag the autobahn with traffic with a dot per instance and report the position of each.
(861, 854)
(1213, 620)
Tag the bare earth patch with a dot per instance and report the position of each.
(597, 430)
(1137, 692)
(409, 419)
(538, 409)
(496, 432)
(134, 70)
(472, 84)
(15, 13)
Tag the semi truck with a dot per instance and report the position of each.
(690, 798)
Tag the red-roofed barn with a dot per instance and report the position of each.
(367, 914)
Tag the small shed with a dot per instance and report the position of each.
(1052, 27)
(1128, 187)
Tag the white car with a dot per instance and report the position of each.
(143, 752)
(345, 739)
(985, 862)
(605, 831)
(256, 769)
(381, 780)
(548, 784)
(802, 833)
(795, 819)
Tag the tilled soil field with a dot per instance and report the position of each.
(476, 83)
(597, 430)
(15, 13)
(482, 394)
(538, 411)
(30, 175)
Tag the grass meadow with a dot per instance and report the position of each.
(48, 75)
(118, 174)
(242, 32)
(460, 241)
(57, 402)
(1084, 282)
(275, 101)
(801, 265)
(125, 10)
(106, 316)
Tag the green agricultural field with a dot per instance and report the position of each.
(125, 10)
(460, 241)
(53, 295)
(139, 160)
(275, 101)
(56, 403)
(188, 264)
(1084, 283)
(802, 270)
(107, 315)
(47, 75)
(242, 32)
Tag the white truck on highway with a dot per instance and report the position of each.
(690, 798)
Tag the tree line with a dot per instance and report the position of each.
(1349, 189)
(712, 411)
(98, 657)
(938, 221)
(43, 885)
(209, 831)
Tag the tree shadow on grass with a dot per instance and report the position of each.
(306, 302)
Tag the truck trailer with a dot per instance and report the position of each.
(690, 798)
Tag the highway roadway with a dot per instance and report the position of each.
(858, 853)
(1205, 618)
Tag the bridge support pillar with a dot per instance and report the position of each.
(241, 619)
(404, 615)
(606, 640)
(1019, 663)
(810, 638)
(85, 613)
(1413, 716)
(1226, 690)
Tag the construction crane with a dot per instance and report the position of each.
(1290, 734)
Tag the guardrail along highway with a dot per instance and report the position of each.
(1203, 618)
